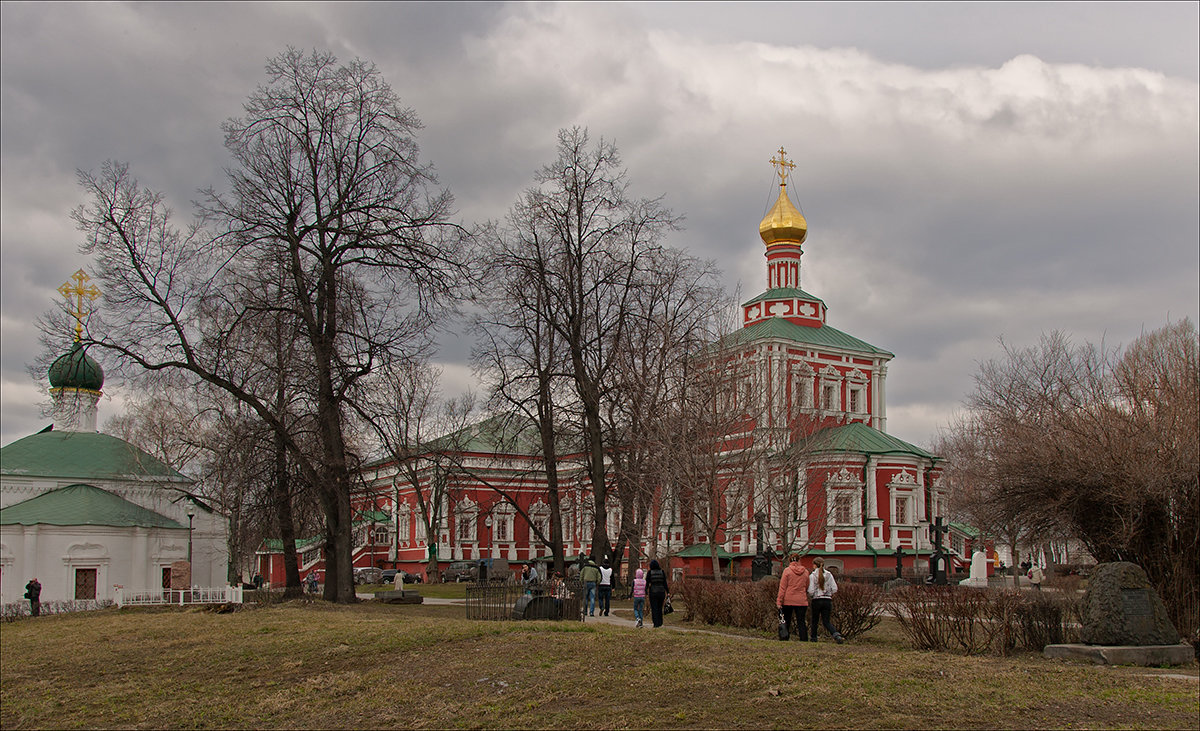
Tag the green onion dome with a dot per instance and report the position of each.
(76, 369)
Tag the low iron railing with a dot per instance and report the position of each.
(552, 600)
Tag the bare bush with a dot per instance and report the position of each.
(857, 608)
(1098, 444)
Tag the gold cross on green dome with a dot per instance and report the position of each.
(79, 289)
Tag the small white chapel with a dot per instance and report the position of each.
(90, 515)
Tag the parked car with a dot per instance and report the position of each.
(389, 577)
(461, 571)
(367, 575)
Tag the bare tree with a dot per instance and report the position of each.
(518, 349)
(674, 307)
(577, 242)
(420, 431)
(1105, 444)
(329, 193)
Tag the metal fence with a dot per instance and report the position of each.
(181, 597)
(512, 601)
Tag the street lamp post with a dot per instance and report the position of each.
(191, 514)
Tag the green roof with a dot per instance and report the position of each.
(371, 516)
(703, 550)
(275, 545)
(783, 293)
(82, 456)
(859, 438)
(82, 505)
(501, 434)
(971, 531)
(782, 329)
(504, 433)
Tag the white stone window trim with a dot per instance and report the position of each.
(466, 521)
(503, 523)
(830, 394)
(843, 487)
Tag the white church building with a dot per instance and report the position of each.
(92, 516)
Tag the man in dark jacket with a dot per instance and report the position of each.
(33, 592)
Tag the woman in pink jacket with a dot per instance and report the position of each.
(793, 594)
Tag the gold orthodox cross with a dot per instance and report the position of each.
(79, 289)
(783, 164)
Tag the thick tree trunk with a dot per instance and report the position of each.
(432, 574)
(281, 501)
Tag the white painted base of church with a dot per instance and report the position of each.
(90, 562)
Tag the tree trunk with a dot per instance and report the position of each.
(281, 500)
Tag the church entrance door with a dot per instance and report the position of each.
(85, 583)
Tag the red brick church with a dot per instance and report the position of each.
(811, 461)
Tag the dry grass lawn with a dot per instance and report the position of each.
(312, 665)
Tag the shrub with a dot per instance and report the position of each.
(1047, 619)
(976, 620)
(749, 605)
(20, 609)
(916, 610)
(857, 608)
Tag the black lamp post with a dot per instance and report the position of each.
(191, 514)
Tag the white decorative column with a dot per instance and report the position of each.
(874, 521)
(882, 398)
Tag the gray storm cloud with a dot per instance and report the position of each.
(953, 196)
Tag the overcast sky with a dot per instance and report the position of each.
(968, 171)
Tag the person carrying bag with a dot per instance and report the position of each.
(792, 599)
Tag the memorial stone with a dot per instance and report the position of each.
(181, 574)
(1122, 608)
(978, 578)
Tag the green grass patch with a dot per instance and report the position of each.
(314, 665)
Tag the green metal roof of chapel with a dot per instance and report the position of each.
(82, 456)
(780, 328)
(83, 505)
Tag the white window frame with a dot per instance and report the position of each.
(404, 523)
(905, 499)
(856, 390)
(802, 387)
(831, 378)
(466, 521)
(503, 523)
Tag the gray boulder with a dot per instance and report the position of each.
(1121, 608)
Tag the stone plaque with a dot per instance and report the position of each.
(181, 575)
(1136, 603)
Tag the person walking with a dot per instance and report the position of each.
(1036, 576)
(657, 592)
(792, 598)
(591, 578)
(606, 573)
(33, 592)
(821, 587)
(639, 596)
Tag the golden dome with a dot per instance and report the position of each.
(783, 224)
